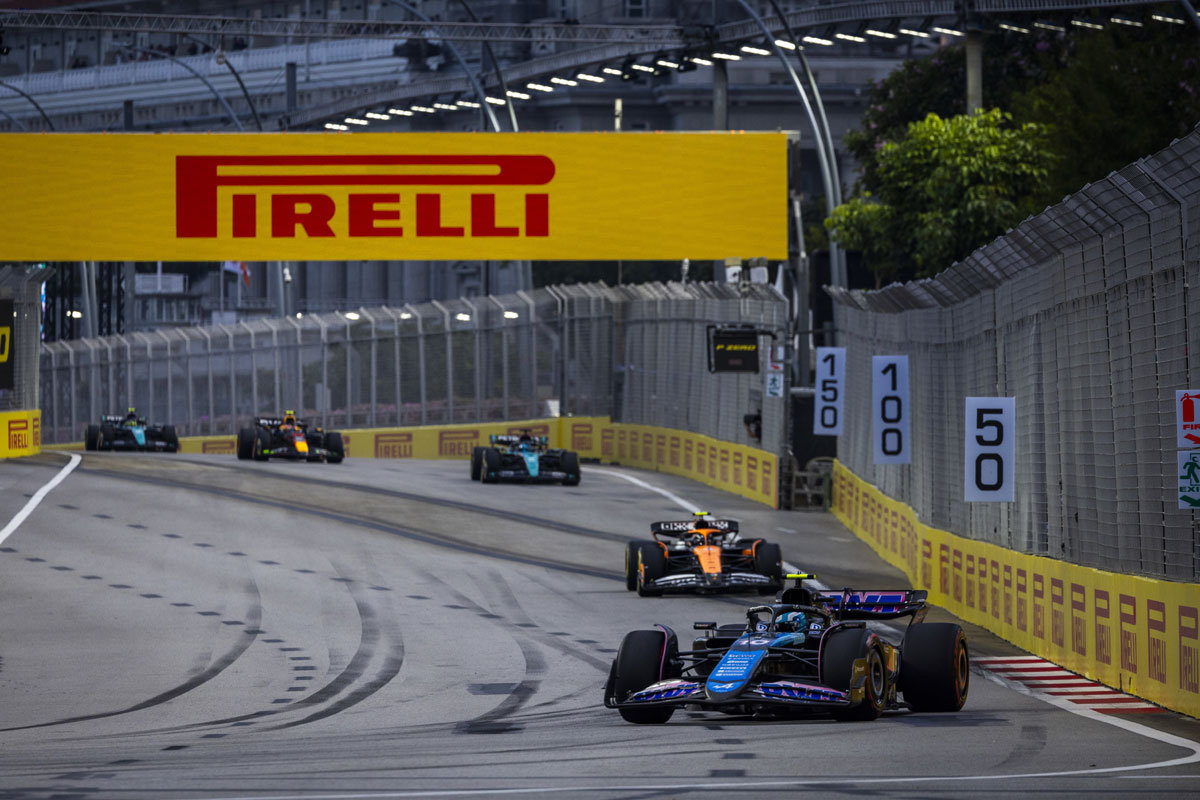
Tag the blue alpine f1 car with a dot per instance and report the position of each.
(809, 652)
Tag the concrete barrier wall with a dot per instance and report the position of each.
(1136, 634)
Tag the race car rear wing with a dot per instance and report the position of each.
(513, 438)
(873, 603)
(275, 422)
(688, 525)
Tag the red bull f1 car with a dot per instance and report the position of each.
(701, 555)
(809, 652)
(288, 437)
(131, 432)
(526, 458)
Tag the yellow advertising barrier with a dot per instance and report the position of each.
(437, 196)
(22, 432)
(1135, 634)
(735, 468)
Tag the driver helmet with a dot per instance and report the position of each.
(132, 415)
(289, 418)
(791, 621)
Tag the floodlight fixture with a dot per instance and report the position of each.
(785, 44)
(539, 87)
(424, 109)
(584, 76)
(496, 101)
(755, 51)
(447, 107)
(511, 315)
(462, 317)
(1014, 28)
(568, 81)
(726, 56)
(405, 315)
(641, 67)
(353, 316)
(817, 40)
(334, 126)
(1046, 26)
(376, 115)
(880, 34)
(517, 95)
(849, 37)
(911, 32)
(1164, 18)
(1080, 23)
(948, 32)
(1133, 23)
(704, 62)
(467, 103)
(400, 112)
(664, 62)
(355, 121)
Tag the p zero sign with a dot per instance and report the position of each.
(193, 197)
(732, 349)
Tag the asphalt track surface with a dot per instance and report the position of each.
(199, 627)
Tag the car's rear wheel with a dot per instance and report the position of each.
(245, 444)
(335, 447)
(570, 465)
(491, 466)
(639, 663)
(262, 443)
(768, 560)
(838, 654)
(935, 667)
(171, 438)
(631, 565)
(652, 565)
(91, 439)
(476, 462)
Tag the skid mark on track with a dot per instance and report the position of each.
(494, 721)
(253, 614)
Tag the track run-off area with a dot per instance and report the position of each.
(178, 626)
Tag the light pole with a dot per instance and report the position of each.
(223, 59)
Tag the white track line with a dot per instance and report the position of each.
(38, 496)
(674, 498)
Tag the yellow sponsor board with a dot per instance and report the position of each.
(736, 468)
(440, 196)
(1135, 634)
(22, 433)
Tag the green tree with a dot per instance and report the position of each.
(945, 188)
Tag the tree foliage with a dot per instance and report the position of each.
(1095, 100)
(944, 188)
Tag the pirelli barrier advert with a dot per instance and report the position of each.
(22, 433)
(1135, 634)
(437, 196)
(742, 470)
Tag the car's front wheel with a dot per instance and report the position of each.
(91, 439)
(639, 664)
(335, 446)
(838, 654)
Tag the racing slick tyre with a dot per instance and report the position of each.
(570, 465)
(245, 444)
(107, 435)
(769, 561)
(171, 439)
(652, 564)
(639, 663)
(335, 446)
(839, 652)
(91, 440)
(476, 462)
(935, 667)
(262, 443)
(491, 465)
(631, 565)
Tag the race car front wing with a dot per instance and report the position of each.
(786, 693)
(724, 580)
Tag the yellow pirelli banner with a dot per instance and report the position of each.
(395, 196)
(736, 468)
(1135, 634)
(22, 432)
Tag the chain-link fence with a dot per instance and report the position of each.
(1089, 314)
(20, 339)
(637, 353)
